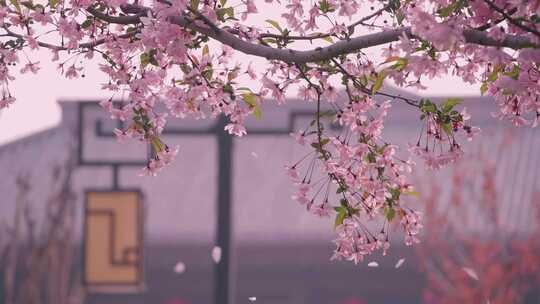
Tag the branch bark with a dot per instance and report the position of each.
(513, 21)
(318, 54)
(84, 45)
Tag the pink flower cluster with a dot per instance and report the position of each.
(356, 177)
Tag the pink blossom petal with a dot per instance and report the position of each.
(216, 254)
(373, 264)
(470, 272)
(400, 263)
(180, 268)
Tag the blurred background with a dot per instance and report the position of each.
(78, 225)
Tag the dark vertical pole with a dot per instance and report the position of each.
(223, 288)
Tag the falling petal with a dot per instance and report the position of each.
(216, 254)
(400, 262)
(373, 264)
(180, 268)
(252, 299)
(255, 155)
(471, 273)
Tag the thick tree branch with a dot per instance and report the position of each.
(318, 54)
(340, 47)
(125, 20)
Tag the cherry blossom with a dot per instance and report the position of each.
(399, 263)
(180, 268)
(178, 59)
(216, 254)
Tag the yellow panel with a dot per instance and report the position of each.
(112, 242)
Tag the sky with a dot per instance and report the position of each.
(37, 108)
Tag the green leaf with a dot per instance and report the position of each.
(208, 73)
(427, 106)
(53, 3)
(250, 99)
(514, 73)
(483, 88)
(269, 40)
(325, 7)
(412, 193)
(148, 57)
(232, 75)
(243, 89)
(400, 64)
(339, 208)
(221, 14)
(450, 103)
(157, 144)
(400, 17)
(341, 189)
(395, 193)
(205, 50)
(328, 39)
(389, 213)
(16, 4)
(195, 4)
(364, 80)
(229, 11)
(393, 6)
(378, 82)
(28, 4)
(145, 59)
(275, 24)
(447, 127)
(87, 23)
(453, 7)
(495, 74)
(340, 217)
(185, 68)
(327, 113)
(257, 112)
(227, 88)
(370, 157)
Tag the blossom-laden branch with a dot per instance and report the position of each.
(179, 55)
(341, 47)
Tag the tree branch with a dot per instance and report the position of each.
(124, 20)
(350, 28)
(512, 20)
(318, 54)
(85, 45)
(340, 47)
